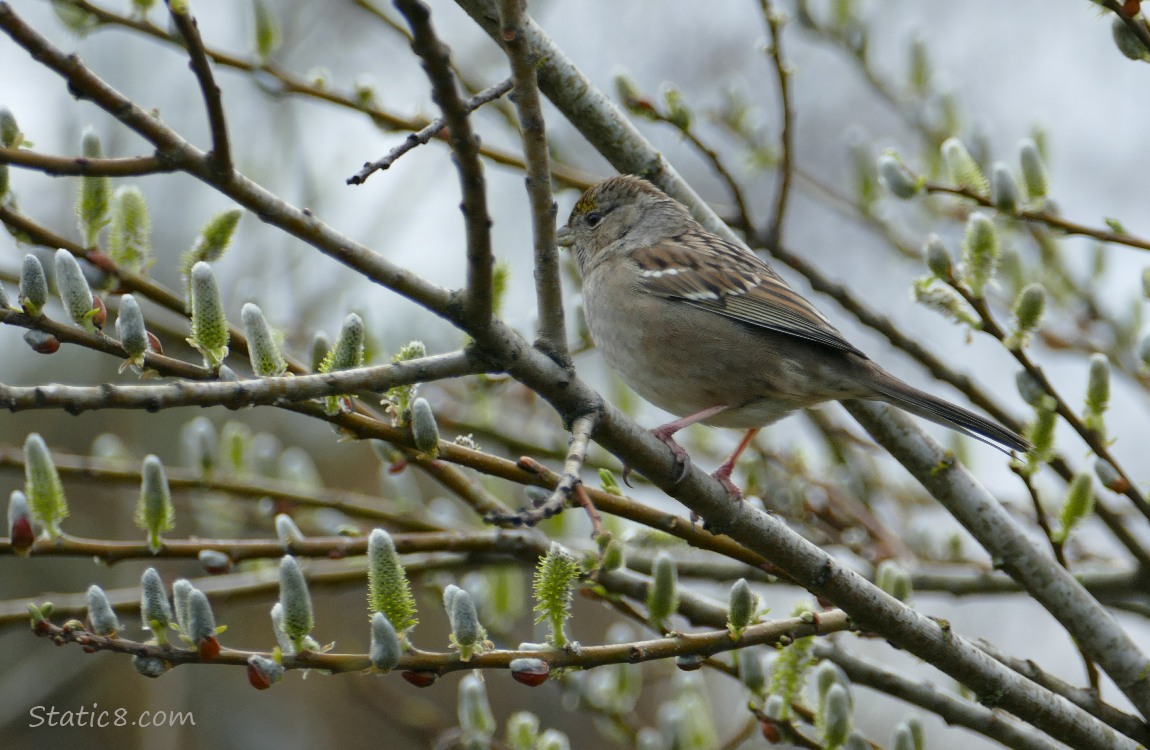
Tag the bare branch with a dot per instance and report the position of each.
(220, 156)
(135, 166)
(548, 289)
(465, 146)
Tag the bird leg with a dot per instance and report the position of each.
(665, 434)
(723, 473)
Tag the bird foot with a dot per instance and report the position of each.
(666, 437)
(723, 476)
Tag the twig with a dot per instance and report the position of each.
(426, 134)
(220, 156)
(278, 391)
(134, 166)
(552, 338)
(479, 298)
(1044, 217)
(774, 22)
(569, 481)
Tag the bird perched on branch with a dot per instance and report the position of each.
(709, 332)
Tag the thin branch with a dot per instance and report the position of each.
(135, 166)
(1046, 218)
(774, 22)
(548, 287)
(436, 57)
(1093, 628)
(565, 488)
(220, 157)
(949, 708)
(235, 394)
(422, 137)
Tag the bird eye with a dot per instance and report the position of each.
(593, 218)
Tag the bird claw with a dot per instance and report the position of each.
(681, 457)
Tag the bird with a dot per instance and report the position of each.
(709, 332)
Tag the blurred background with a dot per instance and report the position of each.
(1007, 68)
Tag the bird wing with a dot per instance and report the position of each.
(712, 274)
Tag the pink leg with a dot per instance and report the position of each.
(723, 473)
(666, 433)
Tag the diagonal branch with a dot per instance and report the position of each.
(479, 299)
(221, 153)
(548, 289)
(423, 136)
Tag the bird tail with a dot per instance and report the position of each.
(942, 412)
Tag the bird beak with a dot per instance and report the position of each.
(564, 237)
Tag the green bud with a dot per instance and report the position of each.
(920, 68)
(963, 169)
(1109, 476)
(475, 717)
(1078, 505)
(389, 591)
(897, 176)
(1146, 282)
(74, 290)
(1126, 40)
(286, 530)
(101, 616)
(776, 708)
(181, 597)
(214, 238)
(201, 619)
(155, 610)
(4, 180)
(42, 486)
(209, 323)
(263, 350)
(267, 31)
(297, 467)
(1003, 189)
(678, 114)
(320, 346)
(522, 731)
(1040, 433)
(20, 533)
(346, 354)
(1028, 309)
(1097, 391)
(614, 556)
(980, 252)
(133, 335)
(914, 724)
(10, 135)
(938, 257)
(467, 634)
(33, 286)
(154, 510)
(741, 609)
(827, 674)
(663, 594)
(751, 670)
(385, 648)
(235, 440)
(1033, 169)
(902, 739)
(299, 618)
(424, 431)
(285, 644)
(1030, 389)
(856, 741)
(893, 579)
(628, 93)
(141, 7)
(130, 231)
(553, 584)
(199, 445)
(946, 301)
(95, 192)
(75, 18)
(553, 739)
(836, 716)
(5, 302)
